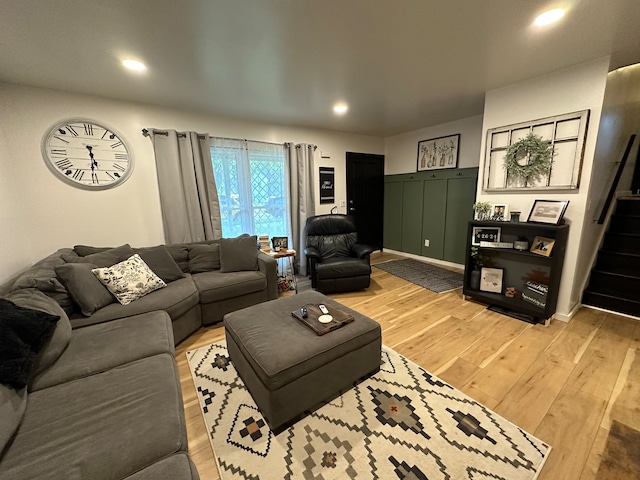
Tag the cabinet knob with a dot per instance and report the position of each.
(433, 175)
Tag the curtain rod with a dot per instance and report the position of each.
(147, 133)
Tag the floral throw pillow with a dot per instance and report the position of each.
(129, 280)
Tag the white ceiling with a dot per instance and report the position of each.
(400, 65)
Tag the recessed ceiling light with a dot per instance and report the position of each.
(549, 16)
(340, 108)
(134, 65)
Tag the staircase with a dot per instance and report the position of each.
(615, 280)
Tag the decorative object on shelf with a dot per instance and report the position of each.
(479, 260)
(529, 159)
(280, 243)
(491, 279)
(543, 154)
(87, 154)
(521, 244)
(485, 234)
(496, 244)
(482, 210)
(542, 246)
(499, 212)
(512, 292)
(438, 153)
(548, 211)
(536, 293)
(515, 217)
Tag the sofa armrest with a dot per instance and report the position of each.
(269, 266)
(312, 252)
(361, 250)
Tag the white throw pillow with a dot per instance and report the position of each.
(129, 280)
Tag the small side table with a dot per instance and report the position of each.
(290, 255)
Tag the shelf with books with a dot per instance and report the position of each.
(523, 282)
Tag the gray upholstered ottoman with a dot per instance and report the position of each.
(287, 368)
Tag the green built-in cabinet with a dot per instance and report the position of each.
(434, 206)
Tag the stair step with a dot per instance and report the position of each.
(616, 262)
(622, 242)
(611, 302)
(628, 206)
(622, 286)
(625, 224)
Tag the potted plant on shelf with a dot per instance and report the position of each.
(479, 260)
(483, 210)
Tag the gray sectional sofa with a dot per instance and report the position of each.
(103, 398)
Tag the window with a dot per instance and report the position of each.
(251, 178)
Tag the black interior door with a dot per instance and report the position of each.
(365, 195)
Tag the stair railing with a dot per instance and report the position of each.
(616, 180)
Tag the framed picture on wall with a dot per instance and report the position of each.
(438, 153)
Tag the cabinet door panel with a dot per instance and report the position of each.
(433, 218)
(393, 215)
(461, 194)
(411, 216)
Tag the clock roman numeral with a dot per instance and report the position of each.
(60, 138)
(58, 151)
(88, 129)
(64, 163)
(72, 131)
(104, 134)
(94, 178)
(116, 145)
(78, 174)
(119, 167)
(110, 176)
(122, 156)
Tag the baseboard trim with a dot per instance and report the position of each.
(611, 312)
(566, 317)
(444, 263)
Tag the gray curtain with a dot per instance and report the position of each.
(302, 201)
(188, 194)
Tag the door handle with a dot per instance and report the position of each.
(352, 209)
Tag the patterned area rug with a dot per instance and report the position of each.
(427, 276)
(401, 423)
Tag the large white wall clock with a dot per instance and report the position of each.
(87, 154)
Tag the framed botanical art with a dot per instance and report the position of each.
(438, 153)
(548, 211)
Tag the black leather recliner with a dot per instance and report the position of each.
(338, 263)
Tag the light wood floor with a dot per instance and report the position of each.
(564, 383)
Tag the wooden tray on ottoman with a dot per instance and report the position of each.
(340, 319)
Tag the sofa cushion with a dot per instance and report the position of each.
(56, 345)
(216, 286)
(23, 333)
(91, 349)
(176, 299)
(104, 258)
(204, 258)
(129, 280)
(87, 292)
(239, 254)
(161, 262)
(175, 467)
(12, 406)
(180, 254)
(106, 426)
(43, 277)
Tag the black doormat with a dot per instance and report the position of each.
(423, 274)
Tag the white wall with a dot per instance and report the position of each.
(401, 151)
(39, 213)
(573, 89)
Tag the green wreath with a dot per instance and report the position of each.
(538, 152)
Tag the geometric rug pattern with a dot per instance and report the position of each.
(401, 423)
(423, 274)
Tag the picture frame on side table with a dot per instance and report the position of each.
(500, 212)
(485, 234)
(280, 243)
(438, 153)
(548, 211)
(491, 279)
(542, 246)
